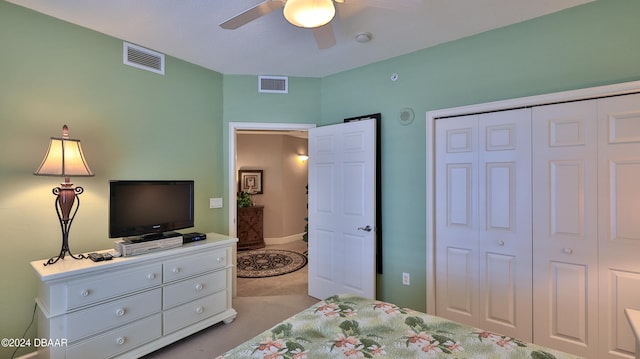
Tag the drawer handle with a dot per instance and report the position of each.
(120, 312)
(151, 276)
(220, 259)
(85, 293)
(567, 251)
(199, 310)
(199, 286)
(176, 270)
(121, 340)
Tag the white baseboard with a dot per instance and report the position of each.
(283, 240)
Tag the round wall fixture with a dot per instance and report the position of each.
(406, 116)
(394, 77)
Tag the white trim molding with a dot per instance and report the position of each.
(283, 240)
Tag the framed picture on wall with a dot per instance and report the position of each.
(250, 181)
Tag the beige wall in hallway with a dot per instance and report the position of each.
(284, 179)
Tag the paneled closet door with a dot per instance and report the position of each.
(619, 221)
(505, 239)
(457, 227)
(565, 250)
(483, 221)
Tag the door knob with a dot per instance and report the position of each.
(366, 229)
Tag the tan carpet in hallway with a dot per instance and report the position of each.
(261, 303)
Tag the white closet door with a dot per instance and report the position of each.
(619, 221)
(457, 233)
(565, 250)
(483, 221)
(505, 239)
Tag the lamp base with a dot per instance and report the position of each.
(66, 197)
(62, 254)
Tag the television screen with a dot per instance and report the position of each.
(149, 208)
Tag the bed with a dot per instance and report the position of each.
(349, 326)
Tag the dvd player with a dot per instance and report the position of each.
(127, 248)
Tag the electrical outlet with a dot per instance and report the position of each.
(406, 278)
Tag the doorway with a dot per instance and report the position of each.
(234, 128)
(261, 132)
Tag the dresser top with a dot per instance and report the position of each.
(69, 266)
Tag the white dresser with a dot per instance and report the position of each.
(131, 306)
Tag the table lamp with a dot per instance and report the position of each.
(64, 158)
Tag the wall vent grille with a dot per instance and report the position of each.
(139, 57)
(273, 84)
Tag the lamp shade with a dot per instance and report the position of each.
(309, 13)
(64, 158)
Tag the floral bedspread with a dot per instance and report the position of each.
(348, 326)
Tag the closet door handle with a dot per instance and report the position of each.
(366, 229)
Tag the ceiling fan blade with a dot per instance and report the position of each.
(252, 14)
(386, 4)
(324, 36)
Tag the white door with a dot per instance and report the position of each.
(505, 223)
(342, 209)
(565, 222)
(483, 221)
(457, 246)
(618, 221)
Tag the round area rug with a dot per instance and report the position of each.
(262, 263)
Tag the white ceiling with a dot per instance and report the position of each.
(188, 29)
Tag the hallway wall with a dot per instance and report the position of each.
(284, 179)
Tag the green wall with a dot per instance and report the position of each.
(590, 45)
(243, 103)
(136, 124)
(133, 124)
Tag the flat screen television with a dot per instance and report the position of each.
(147, 209)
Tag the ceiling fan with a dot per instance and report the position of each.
(313, 14)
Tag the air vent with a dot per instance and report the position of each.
(273, 84)
(136, 56)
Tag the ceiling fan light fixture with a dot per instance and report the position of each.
(309, 13)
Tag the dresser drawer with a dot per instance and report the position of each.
(105, 286)
(109, 315)
(194, 265)
(193, 312)
(118, 340)
(194, 288)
